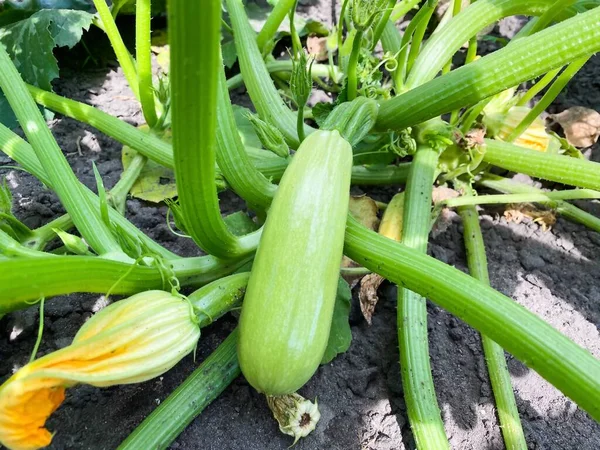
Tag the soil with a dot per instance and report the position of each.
(554, 274)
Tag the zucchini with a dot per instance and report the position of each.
(287, 311)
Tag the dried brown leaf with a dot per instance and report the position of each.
(442, 193)
(522, 211)
(581, 125)
(317, 48)
(368, 295)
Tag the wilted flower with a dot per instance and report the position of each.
(130, 341)
(501, 125)
(296, 416)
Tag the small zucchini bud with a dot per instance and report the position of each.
(74, 244)
(301, 80)
(130, 341)
(269, 136)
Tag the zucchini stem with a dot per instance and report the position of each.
(419, 391)
(144, 61)
(508, 415)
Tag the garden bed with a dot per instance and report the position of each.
(552, 273)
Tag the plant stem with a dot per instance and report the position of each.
(216, 299)
(118, 194)
(275, 18)
(123, 56)
(525, 59)
(403, 7)
(550, 14)
(543, 197)
(558, 168)
(281, 68)
(508, 415)
(419, 391)
(548, 98)
(233, 159)
(194, 77)
(60, 275)
(205, 384)
(262, 91)
(145, 143)
(382, 24)
(445, 43)
(417, 39)
(353, 65)
(144, 60)
(563, 363)
(41, 236)
(571, 212)
(538, 87)
(64, 182)
(391, 39)
(11, 248)
(19, 150)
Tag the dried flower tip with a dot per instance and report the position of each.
(296, 416)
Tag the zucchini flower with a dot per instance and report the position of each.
(501, 117)
(130, 341)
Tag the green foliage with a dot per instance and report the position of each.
(30, 42)
(340, 335)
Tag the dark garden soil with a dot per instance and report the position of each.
(554, 274)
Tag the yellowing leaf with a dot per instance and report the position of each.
(364, 209)
(155, 183)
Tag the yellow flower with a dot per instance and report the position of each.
(534, 137)
(130, 341)
(501, 118)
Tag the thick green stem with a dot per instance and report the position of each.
(558, 168)
(415, 45)
(145, 143)
(144, 60)
(205, 384)
(274, 20)
(194, 76)
(548, 98)
(123, 56)
(25, 279)
(64, 182)
(563, 363)
(19, 150)
(40, 237)
(282, 69)
(462, 28)
(118, 194)
(233, 159)
(216, 299)
(546, 18)
(12, 248)
(262, 91)
(571, 212)
(527, 58)
(419, 391)
(542, 197)
(353, 65)
(508, 415)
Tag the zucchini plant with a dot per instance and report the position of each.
(406, 118)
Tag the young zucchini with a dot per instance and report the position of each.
(287, 311)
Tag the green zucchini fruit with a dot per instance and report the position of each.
(287, 311)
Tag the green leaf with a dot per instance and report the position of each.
(340, 335)
(240, 224)
(30, 42)
(245, 127)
